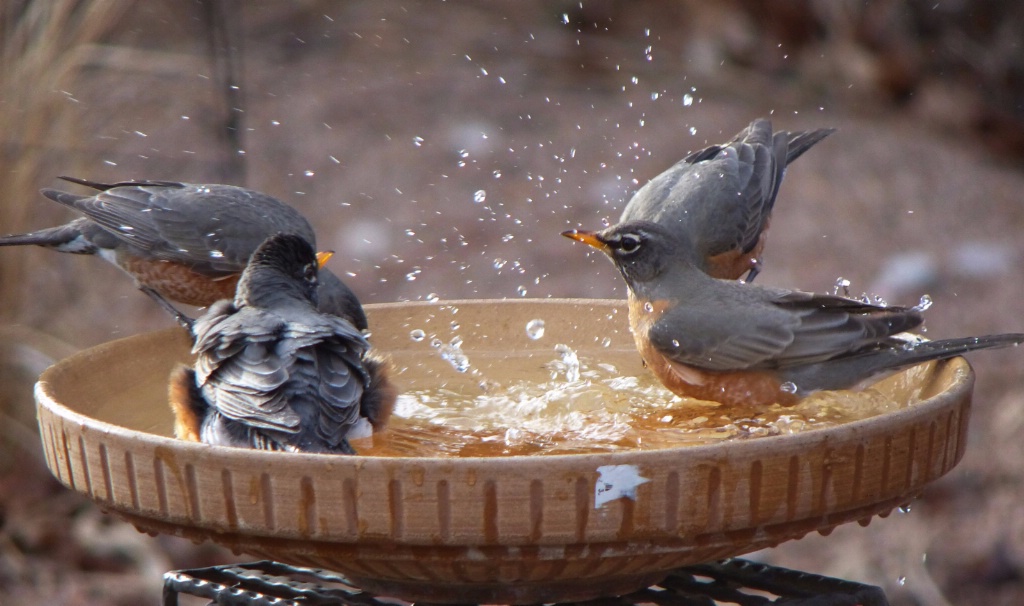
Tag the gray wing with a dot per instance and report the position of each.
(792, 329)
(342, 382)
(242, 365)
(212, 228)
(722, 195)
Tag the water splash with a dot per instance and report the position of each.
(452, 353)
(569, 363)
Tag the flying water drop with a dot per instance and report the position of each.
(788, 387)
(535, 329)
(479, 196)
(923, 304)
(417, 335)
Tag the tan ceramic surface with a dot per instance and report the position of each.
(512, 529)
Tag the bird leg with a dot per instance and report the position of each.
(185, 321)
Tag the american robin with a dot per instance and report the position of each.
(187, 242)
(271, 371)
(737, 343)
(722, 196)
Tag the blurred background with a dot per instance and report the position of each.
(440, 148)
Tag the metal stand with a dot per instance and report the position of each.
(732, 581)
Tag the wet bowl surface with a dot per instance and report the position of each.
(511, 529)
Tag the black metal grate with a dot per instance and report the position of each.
(732, 581)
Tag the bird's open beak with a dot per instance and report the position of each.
(323, 257)
(587, 237)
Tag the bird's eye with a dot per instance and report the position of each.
(629, 244)
(309, 273)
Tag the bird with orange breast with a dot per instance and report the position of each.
(737, 343)
(722, 196)
(188, 242)
(272, 372)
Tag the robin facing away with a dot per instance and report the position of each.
(271, 371)
(187, 242)
(738, 343)
(722, 196)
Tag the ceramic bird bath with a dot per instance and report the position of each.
(502, 529)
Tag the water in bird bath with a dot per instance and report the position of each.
(523, 404)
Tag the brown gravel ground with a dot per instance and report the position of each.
(381, 121)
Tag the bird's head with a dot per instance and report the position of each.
(641, 250)
(283, 265)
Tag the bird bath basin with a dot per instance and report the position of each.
(495, 529)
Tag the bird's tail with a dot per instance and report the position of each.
(848, 371)
(803, 141)
(64, 238)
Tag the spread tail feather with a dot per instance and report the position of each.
(65, 238)
(803, 141)
(848, 371)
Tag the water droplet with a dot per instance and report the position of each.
(432, 297)
(535, 329)
(522, 291)
(412, 274)
(842, 286)
(417, 141)
(309, 173)
(606, 342)
(788, 387)
(496, 174)
(410, 232)
(565, 18)
(923, 304)
(905, 508)
(675, 343)
(507, 237)
(480, 196)
(436, 343)
(499, 263)
(687, 100)
(456, 326)
(648, 307)
(417, 335)
(901, 581)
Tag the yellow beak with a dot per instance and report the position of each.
(587, 237)
(323, 257)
